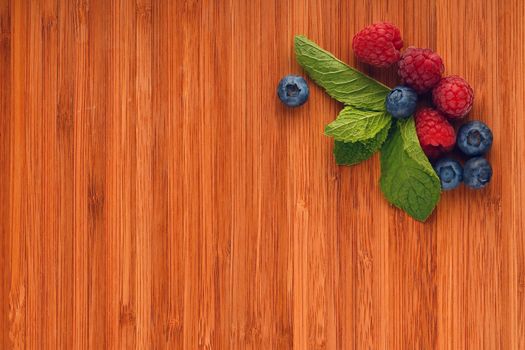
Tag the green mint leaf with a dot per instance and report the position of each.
(407, 178)
(340, 81)
(354, 124)
(350, 153)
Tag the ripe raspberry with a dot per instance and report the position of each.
(378, 44)
(453, 96)
(420, 69)
(435, 133)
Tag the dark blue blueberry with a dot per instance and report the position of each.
(474, 138)
(450, 173)
(293, 90)
(401, 102)
(477, 172)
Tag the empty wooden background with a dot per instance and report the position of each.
(155, 194)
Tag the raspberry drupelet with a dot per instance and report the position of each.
(436, 135)
(453, 96)
(378, 44)
(421, 69)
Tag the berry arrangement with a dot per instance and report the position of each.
(412, 125)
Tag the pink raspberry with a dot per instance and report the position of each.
(436, 135)
(420, 69)
(378, 44)
(453, 96)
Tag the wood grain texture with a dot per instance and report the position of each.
(155, 194)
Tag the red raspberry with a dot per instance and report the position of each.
(420, 69)
(378, 44)
(453, 96)
(435, 133)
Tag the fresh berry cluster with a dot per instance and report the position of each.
(420, 71)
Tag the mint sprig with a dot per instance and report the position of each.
(407, 178)
(350, 153)
(354, 124)
(342, 82)
(408, 181)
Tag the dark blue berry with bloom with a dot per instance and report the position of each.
(474, 138)
(450, 173)
(401, 102)
(293, 90)
(477, 172)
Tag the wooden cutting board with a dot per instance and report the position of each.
(155, 194)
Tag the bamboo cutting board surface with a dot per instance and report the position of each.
(155, 194)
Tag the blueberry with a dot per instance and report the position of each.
(477, 172)
(474, 138)
(401, 102)
(450, 173)
(293, 90)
